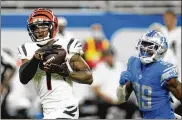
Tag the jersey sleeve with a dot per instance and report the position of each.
(22, 53)
(74, 47)
(130, 61)
(168, 73)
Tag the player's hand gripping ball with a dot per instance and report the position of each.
(43, 52)
(60, 69)
(53, 54)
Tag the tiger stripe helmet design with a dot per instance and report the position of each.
(41, 17)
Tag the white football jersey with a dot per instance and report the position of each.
(174, 35)
(56, 93)
(67, 35)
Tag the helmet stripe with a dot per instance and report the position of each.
(151, 33)
(42, 15)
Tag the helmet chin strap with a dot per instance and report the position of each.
(43, 42)
(147, 60)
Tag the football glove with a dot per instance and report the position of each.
(60, 69)
(124, 77)
(46, 50)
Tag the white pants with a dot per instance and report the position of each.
(70, 112)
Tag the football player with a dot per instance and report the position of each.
(151, 78)
(8, 69)
(56, 94)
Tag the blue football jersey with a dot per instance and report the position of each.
(149, 86)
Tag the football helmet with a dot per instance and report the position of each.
(152, 47)
(44, 19)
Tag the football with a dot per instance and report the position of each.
(58, 58)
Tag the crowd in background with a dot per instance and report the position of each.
(98, 100)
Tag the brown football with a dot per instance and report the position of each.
(58, 58)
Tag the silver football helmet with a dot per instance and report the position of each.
(152, 47)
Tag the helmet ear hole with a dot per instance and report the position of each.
(160, 50)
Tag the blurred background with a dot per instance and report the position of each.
(108, 30)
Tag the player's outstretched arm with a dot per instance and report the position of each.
(125, 89)
(174, 86)
(28, 69)
(81, 71)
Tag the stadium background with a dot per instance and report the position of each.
(122, 24)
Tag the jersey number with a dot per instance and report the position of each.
(143, 92)
(48, 77)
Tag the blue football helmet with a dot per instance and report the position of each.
(152, 47)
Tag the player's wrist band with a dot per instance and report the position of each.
(121, 94)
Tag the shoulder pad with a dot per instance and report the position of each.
(22, 53)
(166, 64)
(74, 46)
(168, 73)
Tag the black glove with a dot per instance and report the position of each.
(46, 50)
(60, 69)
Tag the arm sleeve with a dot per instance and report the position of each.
(28, 70)
(130, 61)
(168, 73)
